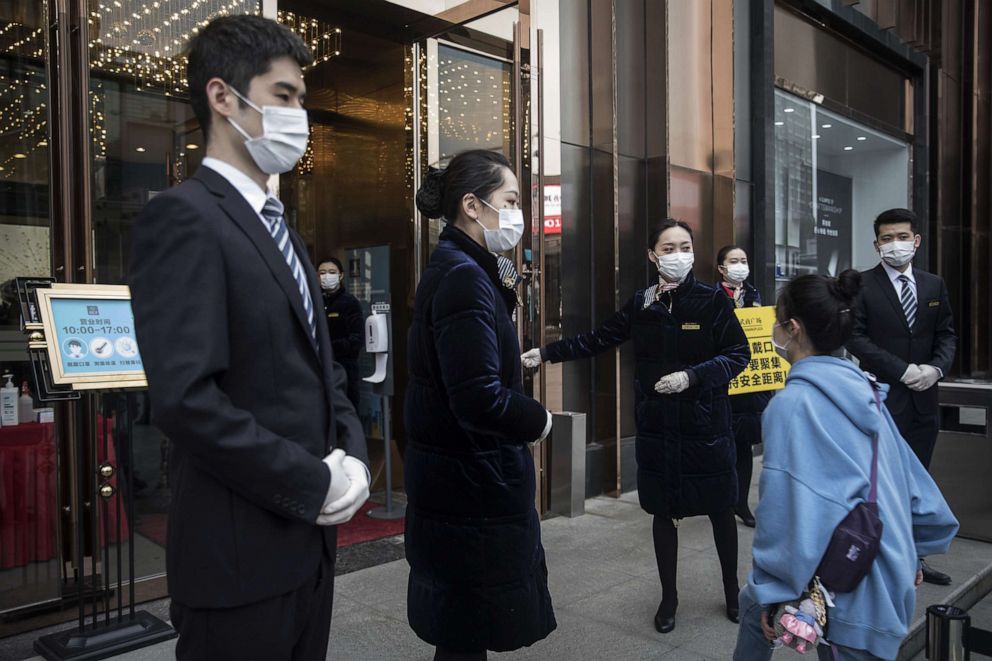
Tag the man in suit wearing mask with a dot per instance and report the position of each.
(268, 454)
(904, 334)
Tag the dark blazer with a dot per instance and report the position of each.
(685, 447)
(478, 579)
(249, 404)
(346, 324)
(885, 345)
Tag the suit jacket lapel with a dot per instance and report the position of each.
(238, 209)
(890, 293)
(923, 297)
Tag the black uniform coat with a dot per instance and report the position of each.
(473, 539)
(685, 446)
(747, 408)
(346, 324)
(885, 345)
(249, 403)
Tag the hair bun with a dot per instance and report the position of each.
(848, 284)
(430, 197)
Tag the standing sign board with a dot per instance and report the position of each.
(766, 369)
(89, 336)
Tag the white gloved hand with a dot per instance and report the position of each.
(341, 510)
(671, 384)
(338, 486)
(912, 375)
(929, 376)
(531, 359)
(546, 432)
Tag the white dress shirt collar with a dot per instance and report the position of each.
(244, 184)
(894, 275)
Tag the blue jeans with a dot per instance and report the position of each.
(753, 646)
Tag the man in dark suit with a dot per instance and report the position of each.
(904, 334)
(268, 454)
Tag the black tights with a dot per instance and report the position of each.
(745, 467)
(666, 548)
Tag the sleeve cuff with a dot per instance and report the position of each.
(547, 429)
(693, 377)
(544, 355)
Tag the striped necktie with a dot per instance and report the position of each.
(908, 300)
(273, 213)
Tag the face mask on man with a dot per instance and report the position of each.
(330, 281)
(897, 253)
(674, 266)
(737, 273)
(511, 228)
(285, 132)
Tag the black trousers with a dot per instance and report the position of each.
(920, 431)
(291, 627)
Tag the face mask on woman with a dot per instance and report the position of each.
(674, 266)
(737, 273)
(511, 228)
(781, 349)
(330, 281)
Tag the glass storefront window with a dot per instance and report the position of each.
(29, 548)
(832, 177)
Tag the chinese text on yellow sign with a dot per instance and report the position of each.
(766, 370)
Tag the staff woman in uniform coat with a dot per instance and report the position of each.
(478, 579)
(733, 269)
(688, 345)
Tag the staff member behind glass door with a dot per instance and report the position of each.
(478, 579)
(268, 454)
(688, 345)
(904, 334)
(345, 323)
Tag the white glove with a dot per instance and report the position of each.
(912, 375)
(531, 359)
(929, 376)
(671, 384)
(338, 486)
(341, 510)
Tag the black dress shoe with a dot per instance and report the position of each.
(664, 619)
(744, 514)
(934, 576)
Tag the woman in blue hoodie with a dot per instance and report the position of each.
(817, 459)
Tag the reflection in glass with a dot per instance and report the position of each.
(29, 569)
(833, 176)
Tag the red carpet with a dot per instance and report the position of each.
(361, 528)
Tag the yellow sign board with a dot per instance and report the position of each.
(766, 370)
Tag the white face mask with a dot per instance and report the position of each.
(511, 228)
(781, 349)
(330, 280)
(737, 273)
(285, 132)
(898, 253)
(674, 266)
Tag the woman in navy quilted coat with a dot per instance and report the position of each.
(688, 345)
(732, 270)
(478, 579)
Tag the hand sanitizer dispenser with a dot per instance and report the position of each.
(377, 343)
(8, 402)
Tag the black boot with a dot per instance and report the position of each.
(743, 512)
(731, 593)
(664, 619)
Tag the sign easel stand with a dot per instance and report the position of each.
(107, 630)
